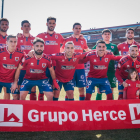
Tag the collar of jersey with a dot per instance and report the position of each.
(9, 52)
(99, 56)
(130, 44)
(49, 34)
(3, 36)
(38, 58)
(67, 58)
(25, 37)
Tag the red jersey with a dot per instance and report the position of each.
(3, 40)
(99, 65)
(9, 63)
(25, 43)
(65, 67)
(131, 89)
(124, 65)
(124, 47)
(36, 68)
(79, 46)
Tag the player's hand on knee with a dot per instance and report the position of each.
(55, 84)
(14, 87)
(31, 53)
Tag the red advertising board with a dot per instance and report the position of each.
(69, 115)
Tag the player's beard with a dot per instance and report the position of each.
(38, 53)
(3, 30)
(133, 56)
(50, 29)
(130, 38)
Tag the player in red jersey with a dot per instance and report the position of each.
(4, 25)
(131, 60)
(99, 61)
(80, 45)
(52, 44)
(124, 47)
(10, 57)
(25, 43)
(66, 64)
(36, 72)
(132, 90)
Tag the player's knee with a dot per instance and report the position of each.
(81, 91)
(33, 89)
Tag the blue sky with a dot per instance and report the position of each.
(90, 13)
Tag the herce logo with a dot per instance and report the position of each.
(135, 113)
(11, 115)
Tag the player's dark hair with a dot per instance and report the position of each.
(25, 21)
(135, 46)
(129, 29)
(11, 36)
(100, 41)
(37, 39)
(4, 19)
(51, 18)
(131, 70)
(69, 42)
(76, 24)
(106, 31)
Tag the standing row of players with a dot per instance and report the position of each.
(52, 42)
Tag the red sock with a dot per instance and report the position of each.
(120, 97)
(33, 96)
(66, 98)
(41, 96)
(88, 96)
(110, 96)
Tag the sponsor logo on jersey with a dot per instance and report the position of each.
(2, 46)
(25, 47)
(74, 59)
(135, 113)
(76, 47)
(10, 116)
(82, 42)
(43, 65)
(9, 66)
(67, 67)
(4, 58)
(106, 59)
(123, 47)
(56, 36)
(112, 47)
(101, 67)
(36, 71)
(51, 43)
(21, 41)
(16, 58)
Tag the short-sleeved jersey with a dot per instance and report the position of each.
(111, 48)
(25, 43)
(131, 89)
(99, 65)
(79, 46)
(124, 47)
(65, 67)
(9, 63)
(3, 40)
(124, 65)
(36, 68)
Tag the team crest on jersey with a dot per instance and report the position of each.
(32, 64)
(4, 58)
(74, 59)
(112, 47)
(137, 66)
(46, 36)
(43, 65)
(95, 60)
(16, 58)
(56, 36)
(106, 59)
(82, 42)
(123, 47)
(21, 41)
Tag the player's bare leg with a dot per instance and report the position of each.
(56, 95)
(16, 96)
(23, 95)
(49, 95)
(6, 95)
(81, 92)
(33, 93)
(70, 95)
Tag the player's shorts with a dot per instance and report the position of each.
(112, 79)
(49, 75)
(43, 85)
(21, 76)
(80, 78)
(67, 86)
(120, 86)
(103, 83)
(8, 86)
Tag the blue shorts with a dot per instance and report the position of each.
(67, 86)
(80, 78)
(43, 85)
(21, 76)
(120, 86)
(8, 86)
(49, 75)
(103, 84)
